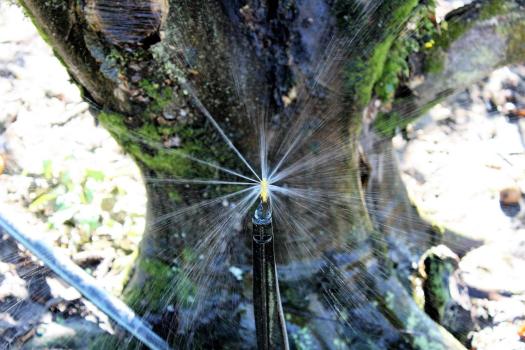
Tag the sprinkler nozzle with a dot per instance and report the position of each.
(264, 190)
(263, 214)
(270, 325)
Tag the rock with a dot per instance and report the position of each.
(495, 268)
(503, 336)
(511, 201)
(74, 333)
(62, 291)
(510, 196)
(173, 142)
(11, 285)
(445, 293)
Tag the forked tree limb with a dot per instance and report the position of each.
(473, 41)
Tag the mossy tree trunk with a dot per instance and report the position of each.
(135, 60)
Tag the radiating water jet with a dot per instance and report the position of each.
(136, 136)
(196, 181)
(200, 106)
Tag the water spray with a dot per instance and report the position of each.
(270, 325)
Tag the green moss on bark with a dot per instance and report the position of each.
(364, 72)
(145, 143)
(396, 68)
(161, 96)
(416, 37)
(516, 44)
(154, 290)
(493, 8)
(388, 123)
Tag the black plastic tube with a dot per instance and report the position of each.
(270, 325)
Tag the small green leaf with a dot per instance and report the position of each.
(65, 179)
(87, 195)
(96, 175)
(42, 200)
(47, 167)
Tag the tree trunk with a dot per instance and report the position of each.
(331, 80)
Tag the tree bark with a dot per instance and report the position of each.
(476, 39)
(148, 68)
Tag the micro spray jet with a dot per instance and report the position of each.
(270, 325)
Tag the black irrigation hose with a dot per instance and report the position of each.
(86, 285)
(270, 325)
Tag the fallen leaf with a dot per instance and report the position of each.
(521, 331)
